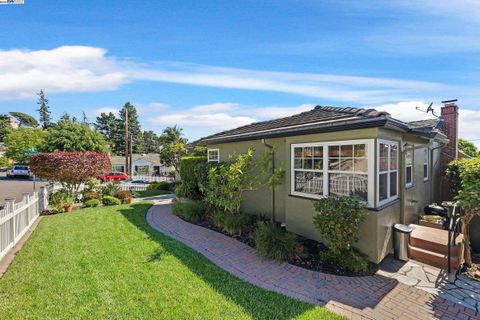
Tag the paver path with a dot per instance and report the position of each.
(372, 297)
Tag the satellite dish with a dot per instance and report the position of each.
(429, 110)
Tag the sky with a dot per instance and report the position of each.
(209, 66)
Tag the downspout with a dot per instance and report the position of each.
(430, 169)
(273, 172)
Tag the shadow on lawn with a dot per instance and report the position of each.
(257, 302)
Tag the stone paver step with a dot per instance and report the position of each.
(432, 258)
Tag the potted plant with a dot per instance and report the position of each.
(67, 204)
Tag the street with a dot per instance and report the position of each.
(15, 188)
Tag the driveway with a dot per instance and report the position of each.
(15, 188)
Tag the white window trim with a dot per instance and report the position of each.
(427, 150)
(390, 199)
(208, 155)
(370, 165)
(409, 185)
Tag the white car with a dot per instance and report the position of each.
(18, 171)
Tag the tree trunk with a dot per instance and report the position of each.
(466, 241)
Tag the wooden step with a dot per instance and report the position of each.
(434, 240)
(432, 258)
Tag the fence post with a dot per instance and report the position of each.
(43, 199)
(10, 208)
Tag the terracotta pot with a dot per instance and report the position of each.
(68, 208)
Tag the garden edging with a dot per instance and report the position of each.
(368, 297)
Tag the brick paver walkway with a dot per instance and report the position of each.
(372, 297)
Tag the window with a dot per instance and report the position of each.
(409, 169)
(387, 171)
(333, 168)
(425, 164)
(213, 155)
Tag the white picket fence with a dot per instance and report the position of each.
(151, 178)
(133, 187)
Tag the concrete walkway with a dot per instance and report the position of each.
(372, 297)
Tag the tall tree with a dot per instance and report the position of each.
(71, 136)
(468, 148)
(172, 134)
(107, 125)
(84, 118)
(4, 125)
(21, 140)
(150, 139)
(172, 146)
(44, 110)
(134, 129)
(24, 119)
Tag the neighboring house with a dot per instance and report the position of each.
(142, 164)
(391, 165)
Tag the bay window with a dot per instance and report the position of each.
(387, 171)
(333, 168)
(409, 169)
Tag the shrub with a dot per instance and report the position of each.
(111, 201)
(338, 220)
(92, 203)
(350, 260)
(191, 211)
(162, 185)
(60, 201)
(87, 196)
(273, 242)
(92, 185)
(235, 224)
(110, 189)
(122, 195)
(217, 218)
(190, 177)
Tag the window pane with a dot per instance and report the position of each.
(382, 185)
(334, 151)
(383, 157)
(298, 163)
(360, 165)
(342, 184)
(409, 175)
(307, 163)
(309, 182)
(409, 158)
(425, 171)
(393, 184)
(346, 164)
(346, 151)
(318, 152)
(393, 157)
(318, 163)
(360, 150)
(298, 152)
(333, 163)
(425, 155)
(307, 152)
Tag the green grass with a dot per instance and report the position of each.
(150, 193)
(108, 263)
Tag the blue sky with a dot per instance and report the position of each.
(209, 66)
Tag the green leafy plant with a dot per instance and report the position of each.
(349, 260)
(217, 218)
(110, 189)
(87, 196)
(274, 243)
(111, 201)
(192, 211)
(92, 185)
(235, 224)
(338, 219)
(192, 170)
(92, 203)
(60, 201)
(161, 185)
(466, 174)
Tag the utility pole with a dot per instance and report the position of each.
(127, 167)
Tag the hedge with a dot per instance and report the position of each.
(193, 171)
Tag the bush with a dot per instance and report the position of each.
(110, 189)
(235, 224)
(191, 211)
(87, 196)
(349, 260)
(217, 219)
(162, 185)
(92, 203)
(192, 171)
(92, 185)
(60, 201)
(122, 195)
(111, 201)
(338, 220)
(274, 243)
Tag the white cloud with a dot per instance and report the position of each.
(67, 68)
(97, 111)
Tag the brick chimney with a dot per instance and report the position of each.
(449, 115)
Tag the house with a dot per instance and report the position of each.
(393, 166)
(142, 164)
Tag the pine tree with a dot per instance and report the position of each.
(134, 128)
(108, 125)
(44, 110)
(151, 140)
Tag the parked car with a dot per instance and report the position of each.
(138, 181)
(113, 176)
(19, 171)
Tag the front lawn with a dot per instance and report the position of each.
(107, 262)
(150, 193)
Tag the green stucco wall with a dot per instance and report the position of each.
(297, 212)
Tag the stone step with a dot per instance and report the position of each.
(435, 259)
(434, 240)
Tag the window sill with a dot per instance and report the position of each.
(410, 186)
(385, 205)
(425, 180)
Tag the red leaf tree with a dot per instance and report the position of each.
(69, 168)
